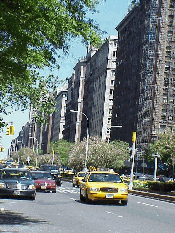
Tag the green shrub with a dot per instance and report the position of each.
(161, 186)
(140, 184)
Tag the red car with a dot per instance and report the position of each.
(44, 181)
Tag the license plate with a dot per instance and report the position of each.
(43, 187)
(16, 192)
(109, 195)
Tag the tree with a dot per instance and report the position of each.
(23, 154)
(164, 146)
(100, 154)
(62, 150)
(32, 35)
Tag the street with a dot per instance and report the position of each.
(63, 212)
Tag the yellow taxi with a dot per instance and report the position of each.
(103, 185)
(78, 178)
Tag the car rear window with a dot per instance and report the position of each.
(16, 174)
(41, 175)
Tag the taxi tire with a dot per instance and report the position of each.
(73, 185)
(81, 197)
(87, 200)
(124, 202)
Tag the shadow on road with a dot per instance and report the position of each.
(12, 218)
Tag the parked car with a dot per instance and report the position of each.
(77, 179)
(44, 181)
(17, 182)
(103, 185)
(54, 171)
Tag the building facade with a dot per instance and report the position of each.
(75, 102)
(58, 121)
(144, 89)
(99, 88)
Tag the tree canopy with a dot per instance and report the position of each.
(100, 154)
(164, 146)
(62, 149)
(32, 35)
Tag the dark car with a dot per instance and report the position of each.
(17, 182)
(54, 171)
(44, 181)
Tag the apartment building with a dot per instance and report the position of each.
(75, 102)
(99, 88)
(58, 119)
(144, 88)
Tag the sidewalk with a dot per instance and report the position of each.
(154, 195)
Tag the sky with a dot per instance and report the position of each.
(111, 13)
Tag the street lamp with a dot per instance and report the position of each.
(36, 149)
(132, 157)
(87, 138)
(155, 166)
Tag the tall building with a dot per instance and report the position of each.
(99, 88)
(90, 93)
(58, 121)
(75, 102)
(144, 88)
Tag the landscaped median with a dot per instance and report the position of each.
(160, 190)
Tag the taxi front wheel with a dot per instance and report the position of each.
(124, 202)
(87, 200)
(81, 197)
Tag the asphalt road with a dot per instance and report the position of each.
(63, 212)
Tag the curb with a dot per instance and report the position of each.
(154, 195)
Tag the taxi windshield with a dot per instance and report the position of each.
(105, 177)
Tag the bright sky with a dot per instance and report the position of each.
(111, 12)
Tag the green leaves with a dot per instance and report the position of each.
(33, 33)
(100, 154)
(164, 146)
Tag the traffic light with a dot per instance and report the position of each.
(10, 130)
(133, 136)
(1, 149)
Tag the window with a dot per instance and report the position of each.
(114, 53)
(112, 72)
(110, 111)
(109, 120)
(111, 91)
(112, 82)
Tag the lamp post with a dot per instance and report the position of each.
(132, 157)
(155, 164)
(36, 149)
(87, 137)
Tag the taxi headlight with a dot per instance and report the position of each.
(2, 185)
(93, 189)
(123, 190)
(31, 186)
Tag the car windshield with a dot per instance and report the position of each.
(16, 174)
(105, 177)
(81, 174)
(41, 175)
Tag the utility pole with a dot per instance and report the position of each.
(132, 157)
